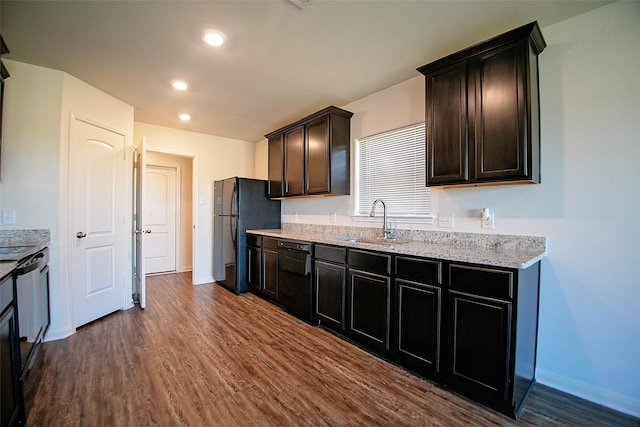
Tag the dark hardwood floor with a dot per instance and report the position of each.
(202, 356)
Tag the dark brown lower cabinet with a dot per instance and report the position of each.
(11, 405)
(262, 265)
(418, 314)
(480, 342)
(468, 327)
(418, 326)
(330, 284)
(254, 264)
(492, 334)
(331, 281)
(369, 300)
(270, 273)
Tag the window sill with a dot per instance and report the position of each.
(400, 219)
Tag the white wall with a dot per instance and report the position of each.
(214, 158)
(587, 204)
(38, 106)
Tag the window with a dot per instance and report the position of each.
(391, 166)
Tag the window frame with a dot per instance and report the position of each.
(358, 216)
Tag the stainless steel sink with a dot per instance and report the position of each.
(374, 241)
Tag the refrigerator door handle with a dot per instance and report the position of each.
(233, 226)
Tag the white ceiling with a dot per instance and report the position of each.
(280, 62)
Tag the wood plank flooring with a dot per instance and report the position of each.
(202, 356)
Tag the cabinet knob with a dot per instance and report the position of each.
(81, 234)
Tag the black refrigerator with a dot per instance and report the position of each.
(239, 204)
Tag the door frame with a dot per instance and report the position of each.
(194, 200)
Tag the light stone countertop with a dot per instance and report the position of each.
(37, 239)
(519, 252)
(6, 268)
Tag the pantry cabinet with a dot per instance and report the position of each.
(311, 156)
(482, 112)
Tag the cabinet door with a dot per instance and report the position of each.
(369, 304)
(502, 146)
(276, 167)
(446, 125)
(479, 337)
(418, 326)
(294, 162)
(270, 273)
(8, 377)
(318, 161)
(254, 264)
(330, 285)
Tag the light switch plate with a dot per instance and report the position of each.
(8, 216)
(445, 220)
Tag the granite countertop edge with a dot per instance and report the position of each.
(37, 238)
(473, 254)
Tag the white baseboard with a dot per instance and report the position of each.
(593, 394)
(58, 334)
(202, 280)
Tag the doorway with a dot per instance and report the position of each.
(169, 213)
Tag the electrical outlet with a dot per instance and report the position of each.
(445, 221)
(333, 218)
(487, 222)
(295, 217)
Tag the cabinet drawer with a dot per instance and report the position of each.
(418, 270)
(331, 253)
(253, 240)
(269, 242)
(370, 261)
(481, 281)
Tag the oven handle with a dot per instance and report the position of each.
(28, 267)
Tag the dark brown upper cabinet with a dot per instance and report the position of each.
(4, 74)
(311, 156)
(276, 166)
(482, 112)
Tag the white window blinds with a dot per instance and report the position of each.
(391, 166)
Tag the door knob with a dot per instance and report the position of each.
(81, 234)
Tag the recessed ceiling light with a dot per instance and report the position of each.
(184, 117)
(180, 85)
(214, 37)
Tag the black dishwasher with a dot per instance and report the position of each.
(294, 268)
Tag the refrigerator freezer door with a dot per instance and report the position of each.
(217, 197)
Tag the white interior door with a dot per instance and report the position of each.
(160, 218)
(98, 249)
(139, 278)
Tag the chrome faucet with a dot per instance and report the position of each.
(387, 233)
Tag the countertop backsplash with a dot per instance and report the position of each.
(495, 241)
(36, 236)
